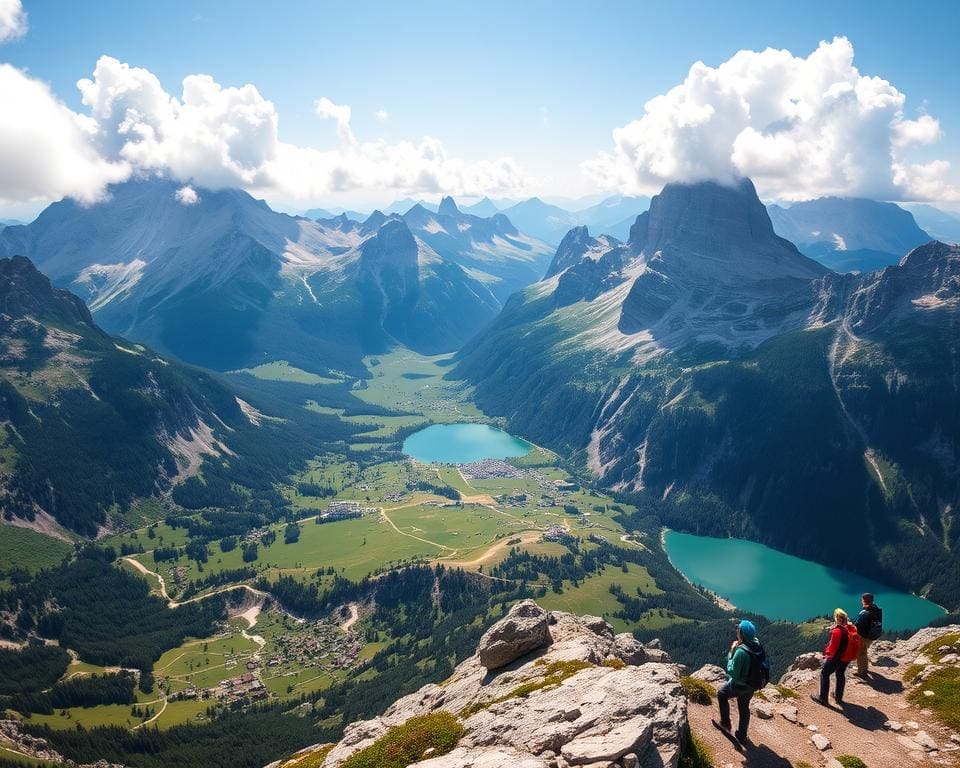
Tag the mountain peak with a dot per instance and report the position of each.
(393, 243)
(26, 292)
(374, 221)
(571, 249)
(725, 222)
(448, 207)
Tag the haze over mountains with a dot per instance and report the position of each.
(708, 356)
(849, 234)
(225, 282)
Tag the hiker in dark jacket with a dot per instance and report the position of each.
(840, 651)
(738, 675)
(869, 626)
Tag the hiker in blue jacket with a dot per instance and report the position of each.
(745, 668)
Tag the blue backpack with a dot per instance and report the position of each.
(759, 673)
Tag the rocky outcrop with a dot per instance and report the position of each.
(548, 690)
(32, 747)
(524, 629)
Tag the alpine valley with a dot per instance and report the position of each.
(752, 391)
(211, 529)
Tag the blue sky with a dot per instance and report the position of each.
(542, 83)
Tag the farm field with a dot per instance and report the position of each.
(29, 549)
(592, 596)
(405, 381)
(281, 370)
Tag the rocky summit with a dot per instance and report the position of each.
(545, 690)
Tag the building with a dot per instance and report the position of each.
(342, 510)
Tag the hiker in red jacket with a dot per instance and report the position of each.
(843, 647)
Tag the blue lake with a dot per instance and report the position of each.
(761, 580)
(463, 443)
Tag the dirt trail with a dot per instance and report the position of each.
(856, 729)
(175, 603)
(526, 537)
(157, 715)
(385, 516)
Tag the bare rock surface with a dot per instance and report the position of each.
(711, 673)
(590, 698)
(522, 630)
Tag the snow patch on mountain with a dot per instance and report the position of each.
(102, 283)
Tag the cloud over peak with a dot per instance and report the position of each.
(799, 127)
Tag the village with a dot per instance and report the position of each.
(320, 645)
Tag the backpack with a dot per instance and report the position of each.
(875, 628)
(759, 673)
(852, 649)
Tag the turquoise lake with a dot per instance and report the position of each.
(761, 580)
(463, 443)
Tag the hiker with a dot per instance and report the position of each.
(747, 672)
(869, 626)
(842, 648)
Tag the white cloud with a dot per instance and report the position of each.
(187, 195)
(923, 130)
(47, 150)
(381, 115)
(211, 136)
(339, 112)
(13, 20)
(799, 127)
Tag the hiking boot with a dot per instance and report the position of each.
(742, 738)
(821, 702)
(862, 675)
(838, 700)
(721, 725)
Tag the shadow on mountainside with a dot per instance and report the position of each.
(869, 718)
(761, 756)
(882, 684)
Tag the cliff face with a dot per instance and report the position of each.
(546, 690)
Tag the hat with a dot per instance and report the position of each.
(747, 631)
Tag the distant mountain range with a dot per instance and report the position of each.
(93, 423)
(534, 217)
(849, 234)
(845, 234)
(708, 362)
(227, 282)
(941, 224)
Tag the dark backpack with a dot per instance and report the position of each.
(875, 628)
(759, 673)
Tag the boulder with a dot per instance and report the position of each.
(629, 649)
(924, 740)
(525, 628)
(790, 714)
(710, 673)
(909, 744)
(762, 709)
(821, 742)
